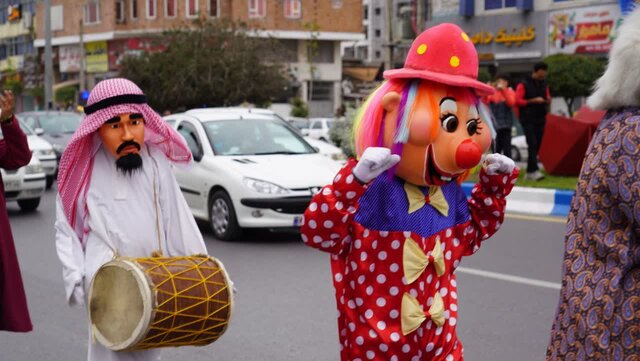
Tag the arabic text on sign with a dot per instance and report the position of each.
(525, 34)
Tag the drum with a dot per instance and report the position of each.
(142, 303)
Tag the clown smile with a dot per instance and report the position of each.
(433, 175)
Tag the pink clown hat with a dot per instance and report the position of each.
(443, 54)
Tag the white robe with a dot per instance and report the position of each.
(122, 217)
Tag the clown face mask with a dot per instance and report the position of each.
(123, 137)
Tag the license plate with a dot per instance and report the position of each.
(297, 221)
(12, 185)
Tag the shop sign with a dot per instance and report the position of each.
(97, 58)
(583, 30)
(69, 58)
(517, 36)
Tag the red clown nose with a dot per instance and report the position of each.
(468, 154)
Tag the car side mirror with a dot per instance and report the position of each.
(39, 131)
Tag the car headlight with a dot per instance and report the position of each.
(264, 187)
(59, 148)
(33, 168)
(43, 152)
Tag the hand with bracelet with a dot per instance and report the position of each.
(7, 102)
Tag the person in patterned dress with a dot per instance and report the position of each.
(598, 316)
(396, 222)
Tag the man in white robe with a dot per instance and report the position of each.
(107, 206)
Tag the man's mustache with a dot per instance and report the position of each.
(127, 144)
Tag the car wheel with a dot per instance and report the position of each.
(515, 154)
(29, 205)
(50, 180)
(222, 217)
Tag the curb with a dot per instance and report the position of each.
(536, 201)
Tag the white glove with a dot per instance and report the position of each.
(373, 162)
(498, 163)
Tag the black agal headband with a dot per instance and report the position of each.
(116, 100)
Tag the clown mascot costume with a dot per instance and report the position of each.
(396, 222)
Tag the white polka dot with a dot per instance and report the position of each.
(413, 293)
(384, 233)
(393, 291)
(372, 334)
(349, 179)
(448, 255)
(395, 337)
(374, 244)
(452, 321)
(406, 234)
(359, 340)
(305, 239)
(337, 178)
(454, 283)
(317, 239)
(351, 304)
(313, 224)
(328, 224)
(368, 314)
(352, 284)
(454, 307)
(371, 355)
(353, 266)
(449, 337)
(363, 256)
(365, 233)
(381, 325)
(382, 255)
(351, 195)
(438, 351)
(383, 347)
(406, 348)
(326, 244)
(429, 347)
(381, 302)
(394, 267)
(369, 290)
(394, 314)
(421, 286)
(338, 194)
(338, 277)
(352, 326)
(361, 279)
(446, 314)
(454, 295)
(449, 358)
(456, 242)
(351, 209)
(456, 263)
(395, 244)
(488, 201)
(345, 218)
(393, 358)
(334, 236)
(429, 301)
(357, 244)
(381, 278)
(484, 223)
(324, 208)
(313, 206)
(415, 358)
(372, 267)
(439, 331)
(339, 206)
(429, 278)
(326, 191)
(359, 301)
(443, 291)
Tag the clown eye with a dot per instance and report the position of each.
(473, 126)
(135, 121)
(449, 122)
(114, 126)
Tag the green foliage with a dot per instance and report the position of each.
(66, 94)
(212, 63)
(572, 76)
(299, 108)
(341, 133)
(484, 76)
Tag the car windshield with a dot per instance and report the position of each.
(59, 123)
(254, 137)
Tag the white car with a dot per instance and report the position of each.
(25, 185)
(519, 149)
(319, 128)
(327, 149)
(251, 170)
(42, 150)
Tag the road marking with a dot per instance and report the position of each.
(509, 278)
(536, 218)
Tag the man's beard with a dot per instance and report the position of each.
(129, 164)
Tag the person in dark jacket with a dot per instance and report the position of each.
(14, 153)
(501, 103)
(534, 99)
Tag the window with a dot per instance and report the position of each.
(292, 9)
(213, 8)
(190, 135)
(57, 17)
(378, 33)
(257, 9)
(119, 11)
(92, 13)
(324, 52)
(322, 90)
(151, 9)
(366, 12)
(499, 4)
(170, 8)
(134, 9)
(378, 11)
(378, 55)
(192, 8)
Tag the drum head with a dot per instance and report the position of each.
(119, 305)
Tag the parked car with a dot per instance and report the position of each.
(251, 170)
(327, 149)
(319, 128)
(519, 149)
(25, 185)
(301, 124)
(42, 150)
(56, 127)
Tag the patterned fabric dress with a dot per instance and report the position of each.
(598, 315)
(394, 249)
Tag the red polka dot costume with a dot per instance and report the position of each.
(395, 244)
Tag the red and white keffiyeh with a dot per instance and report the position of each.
(77, 161)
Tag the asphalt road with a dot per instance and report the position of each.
(285, 308)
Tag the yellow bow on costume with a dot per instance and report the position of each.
(417, 199)
(414, 260)
(413, 315)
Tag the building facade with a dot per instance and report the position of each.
(111, 29)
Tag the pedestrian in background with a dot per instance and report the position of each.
(533, 99)
(14, 153)
(598, 315)
(501, 103)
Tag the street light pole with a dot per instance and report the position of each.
(81, 84)
(389, 34)
(48, 58)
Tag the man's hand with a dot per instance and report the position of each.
(498, 163)
(7, 102)
(537, 100)
(373, 162)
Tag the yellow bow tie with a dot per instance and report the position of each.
(413, 315)
(417, 199)
(414, 260)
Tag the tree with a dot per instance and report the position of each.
(572, 76)
(211, 63)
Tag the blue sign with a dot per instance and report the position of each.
(626, 6)
(84, 95)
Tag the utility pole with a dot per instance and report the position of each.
(419, 16)
(81, 84)
(389, 34)
(48, 58)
